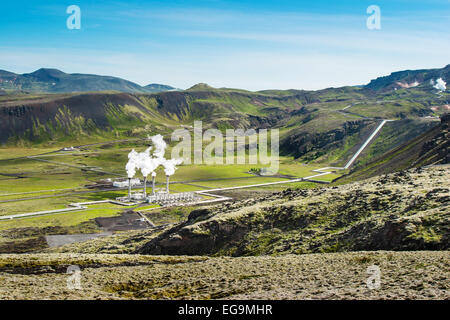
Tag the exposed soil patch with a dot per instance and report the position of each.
(126, 221)
(60, 240)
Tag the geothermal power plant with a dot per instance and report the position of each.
(147, 162)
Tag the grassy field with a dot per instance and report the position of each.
(14, 152)
(63, 219)
(30, 185)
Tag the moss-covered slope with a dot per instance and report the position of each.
(408, 210)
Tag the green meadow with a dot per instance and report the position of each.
(33, 184)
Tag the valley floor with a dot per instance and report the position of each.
(403, 275)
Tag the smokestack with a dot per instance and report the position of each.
(167, 183)
(153, 185)
(129, 189)
(145, 186)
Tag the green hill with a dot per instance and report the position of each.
(201, 87)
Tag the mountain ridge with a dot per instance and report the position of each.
(409, 78)
(50, 80)
(323, 126)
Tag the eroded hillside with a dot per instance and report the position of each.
(430, 148)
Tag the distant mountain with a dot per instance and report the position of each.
(410, 79)
(155, 87)
(55, 81)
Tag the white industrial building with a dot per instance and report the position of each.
(124, 183)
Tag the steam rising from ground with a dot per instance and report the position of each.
(148, 164)
(440, 84)
(408, 85)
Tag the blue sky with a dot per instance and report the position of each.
(242, 44)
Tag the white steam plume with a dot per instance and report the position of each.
(439, 85)
(132, 164)
(171, 165)
(148, 164)
(160, 146)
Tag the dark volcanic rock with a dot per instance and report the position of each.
(198, 213)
